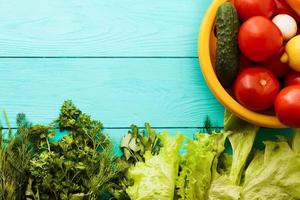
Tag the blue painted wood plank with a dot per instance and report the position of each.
(165, 92)
(100, 28)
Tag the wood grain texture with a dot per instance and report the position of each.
(100, 28)
(165, 92)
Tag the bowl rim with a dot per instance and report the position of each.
(212, 81)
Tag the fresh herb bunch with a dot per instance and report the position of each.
(79, 166)
(33, 165)
(207, 125)
(16, 151)
(135, 143)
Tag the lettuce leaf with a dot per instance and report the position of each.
(223, 189)
(197, 169)
(241, 140)
(241, 136)
(296, 141)
(272, 174)
(201, 176)
(275, 173)
(156, 177)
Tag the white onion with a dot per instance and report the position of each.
(286, 24)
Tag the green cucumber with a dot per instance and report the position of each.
(227, 55)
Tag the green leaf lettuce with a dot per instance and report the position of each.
(198, 166)
(156, 177)
(275, 173)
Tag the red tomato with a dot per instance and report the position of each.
(259, 39)
(293, 78)
(256, 88)
(250, 8)
(282, 7)
(278, 68)
(287, 106)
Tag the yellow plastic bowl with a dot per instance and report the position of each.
(206, 53)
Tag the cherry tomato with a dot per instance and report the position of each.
(259, 39)
(278, 68)
(287, 106)
(256, 88)
(292, 78)
(282, 7)
(250, 8)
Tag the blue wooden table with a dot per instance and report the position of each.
(122, 61)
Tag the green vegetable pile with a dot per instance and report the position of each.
(82, 165)
(79, 166)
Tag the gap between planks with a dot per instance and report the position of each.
(142, 127)
(101, 57)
